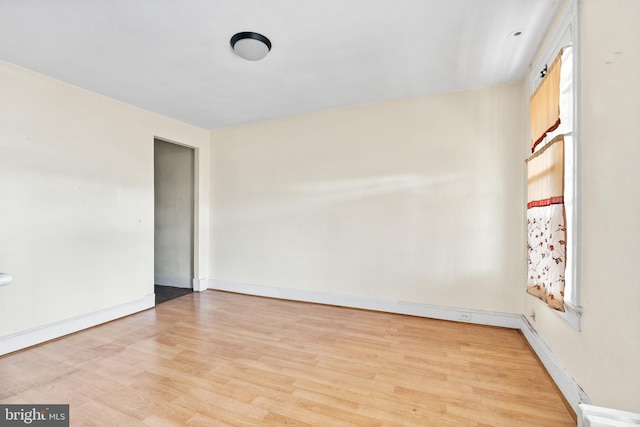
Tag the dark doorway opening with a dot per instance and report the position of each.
(174, 218)
(166, 293)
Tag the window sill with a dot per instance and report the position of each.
(571, 315)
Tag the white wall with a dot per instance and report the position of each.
(603, 357)
(174, 203)
(417, 200)
(76, 194)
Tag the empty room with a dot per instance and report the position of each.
(325, 213)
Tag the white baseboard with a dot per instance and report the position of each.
(563, 379)
(200, 285)
(565, 382)
(175, 281)
(24, 339)
(596, 416)
(481, 317)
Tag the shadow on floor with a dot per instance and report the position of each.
(166, 293)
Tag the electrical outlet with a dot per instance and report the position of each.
(464, 316)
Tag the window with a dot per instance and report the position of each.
(553, 179)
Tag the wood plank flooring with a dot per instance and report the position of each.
(222, 359)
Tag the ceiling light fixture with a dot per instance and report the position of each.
(250, 46)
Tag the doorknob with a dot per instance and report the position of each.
(5, 279)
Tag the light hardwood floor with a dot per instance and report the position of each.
(216, 359)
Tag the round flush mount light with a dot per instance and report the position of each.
(250, 46)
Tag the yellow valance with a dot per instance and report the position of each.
(544, 105)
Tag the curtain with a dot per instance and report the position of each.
(546, 224)
(544, 105)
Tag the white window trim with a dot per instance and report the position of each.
(567, 33)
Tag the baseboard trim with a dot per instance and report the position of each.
(563, 379)
(200, 285)
(480, 317)
(30, 337)
(572, 392)
(175, 281)
(596, 416)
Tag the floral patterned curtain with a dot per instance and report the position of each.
(546, 224)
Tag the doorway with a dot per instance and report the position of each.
(174, 195)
